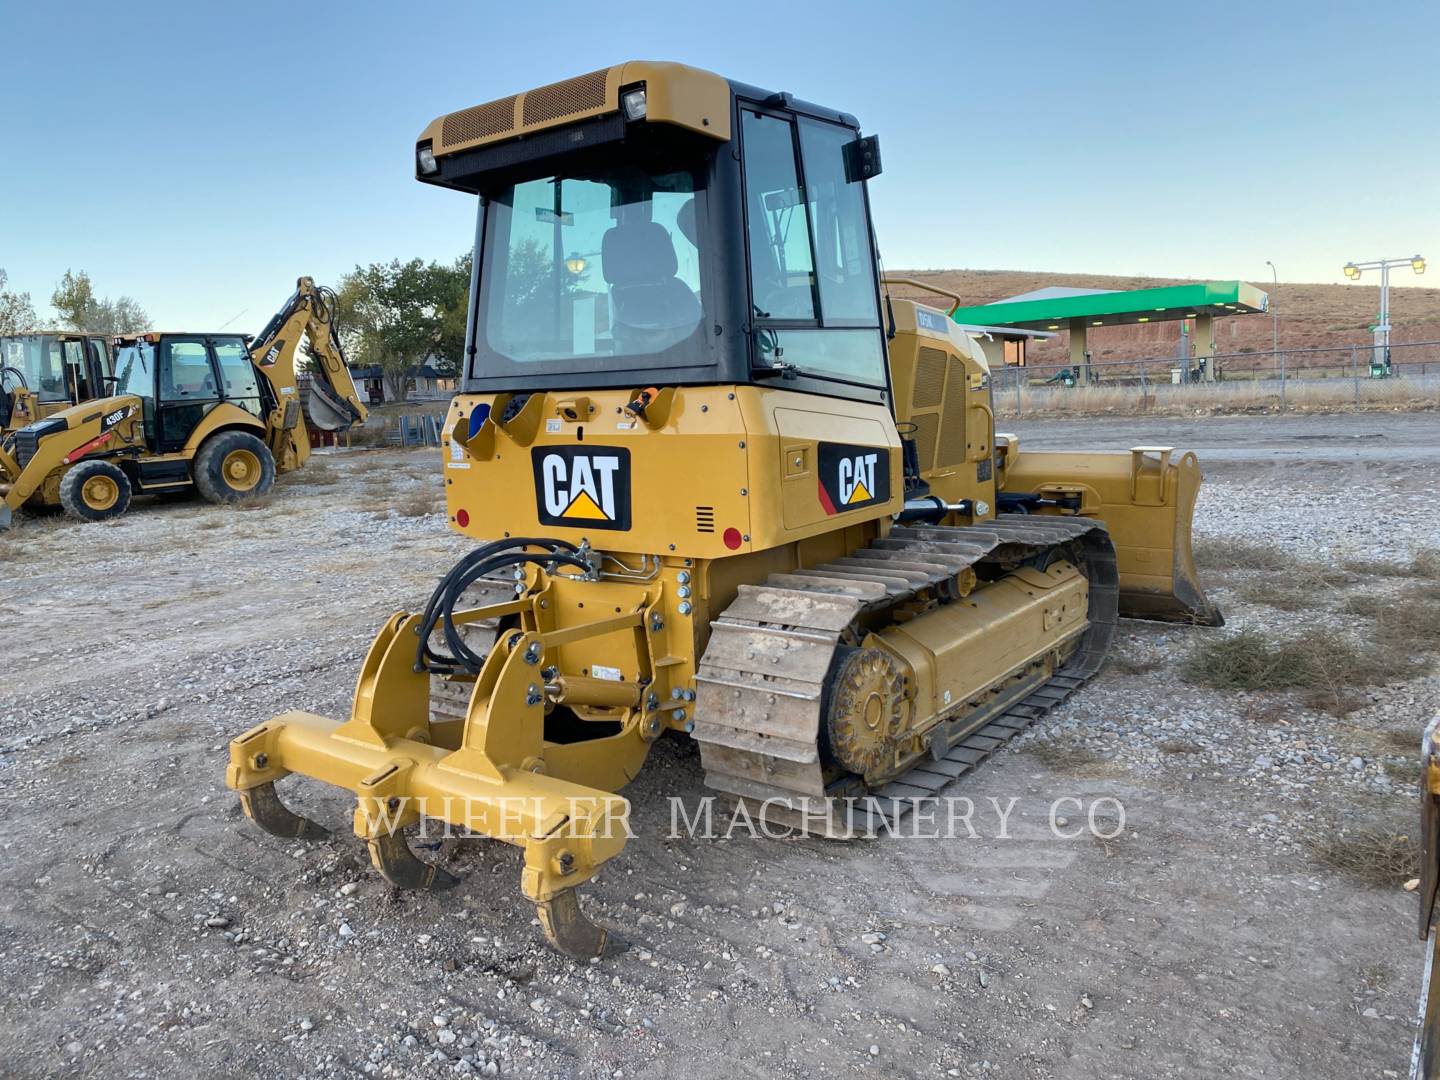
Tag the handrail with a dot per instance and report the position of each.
(886, 279)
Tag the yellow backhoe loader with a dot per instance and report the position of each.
(46, 371)
(726, 487)
(217, 412)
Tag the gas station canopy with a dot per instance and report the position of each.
(1059, 309)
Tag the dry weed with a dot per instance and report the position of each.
(1380, 853)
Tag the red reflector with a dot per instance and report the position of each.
(732, 538)
(462, 518)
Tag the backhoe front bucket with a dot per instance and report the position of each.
(1147, 500)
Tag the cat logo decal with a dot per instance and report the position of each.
(853, 476)
(582, 487)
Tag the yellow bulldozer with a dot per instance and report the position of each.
(46, 371)
(217, 412)
(723, 485)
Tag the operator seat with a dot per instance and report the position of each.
(653, 309)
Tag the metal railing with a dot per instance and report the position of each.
(1283, 379)
(415, 431)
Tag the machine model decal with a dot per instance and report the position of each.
(853, 476)
(118, 416)
(933, 321)
(582, 487)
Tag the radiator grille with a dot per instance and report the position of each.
(479, 122)
(927, 426)
(705, 519)
(952, 434)
(577, 95)
(26, 443)
(929, 378)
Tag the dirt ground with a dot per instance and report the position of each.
(148, 930)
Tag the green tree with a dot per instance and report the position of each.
(453, 287)
(17, 313)
(399, 315)
(79, 308)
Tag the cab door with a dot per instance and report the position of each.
(188, 390)
(77, 371)
(102, 368)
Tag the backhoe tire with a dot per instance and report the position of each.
(95, 491)
(233, 465)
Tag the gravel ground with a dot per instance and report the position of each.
(148, 930)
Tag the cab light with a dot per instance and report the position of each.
(633, 101)
(425, 161)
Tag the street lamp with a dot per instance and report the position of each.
(1274, 317)
(1382, 329)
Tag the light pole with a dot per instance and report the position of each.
(1274, 317)
(1382, 330)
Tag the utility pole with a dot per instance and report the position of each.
(1274, 318)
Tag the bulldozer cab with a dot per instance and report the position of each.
(707, 233)
(42, 373)
(180, 378)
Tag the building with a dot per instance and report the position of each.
(423, 381)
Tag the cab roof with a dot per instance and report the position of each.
(154, 336)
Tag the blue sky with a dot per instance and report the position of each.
(200, 158)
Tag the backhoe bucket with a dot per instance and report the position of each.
(1147, 500)
(326, 410)
(488, 776)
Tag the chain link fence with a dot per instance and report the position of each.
(1354, 375)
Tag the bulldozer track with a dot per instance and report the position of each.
(762, 680)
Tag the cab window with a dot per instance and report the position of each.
(580, 270)
(100, 356)
(812, 267)
(840, 226)
(50, 383)
(135, 371)
(185, 371)
(239, 386)
(76, 371)
(135, 374)
(782, 272)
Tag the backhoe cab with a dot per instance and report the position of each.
(46, 371)
(720, 484)
(214, 411)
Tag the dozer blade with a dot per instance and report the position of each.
(1147, 500)
(391, 855)
(263, 806)
(567, 928)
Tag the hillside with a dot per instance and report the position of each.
(1310, 316)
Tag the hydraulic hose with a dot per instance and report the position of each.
(486, 559)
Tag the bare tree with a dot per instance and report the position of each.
(80, 309)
